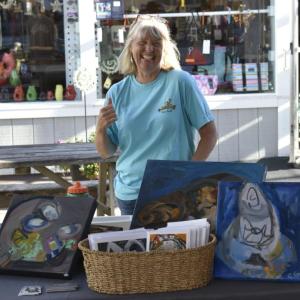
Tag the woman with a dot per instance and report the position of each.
(153, 112)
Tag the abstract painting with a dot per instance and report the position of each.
(183, 190)
(39, 235)
(258, 231)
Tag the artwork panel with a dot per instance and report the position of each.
(39, 235)
(257, 231)
(182, 190)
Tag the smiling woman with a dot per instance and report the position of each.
(147, 54)
(153, 112)
(154, 31)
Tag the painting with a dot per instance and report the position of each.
(39, 235)
(258, 231)
(183, 190)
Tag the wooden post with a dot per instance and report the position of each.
(22, 170)
(102, 203)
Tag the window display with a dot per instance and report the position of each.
(35, 51)
(226, 44)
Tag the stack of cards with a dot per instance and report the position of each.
(177, 235)
(119, 241)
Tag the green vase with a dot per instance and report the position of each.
(31, 94)
(59, 92)
(14, 78)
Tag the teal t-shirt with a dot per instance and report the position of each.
(156, 120)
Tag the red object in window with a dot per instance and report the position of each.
(9, 63)
(3, 78)
(70, 93)
(50, 96)
(18, 93)
(195, 57)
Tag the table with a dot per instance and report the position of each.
(39, 157)
(10, 286)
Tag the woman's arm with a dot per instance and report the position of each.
(208, 140)
(103, 143)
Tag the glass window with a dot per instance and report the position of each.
(37, 57)
(227, 45)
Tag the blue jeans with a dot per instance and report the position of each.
(126, 206)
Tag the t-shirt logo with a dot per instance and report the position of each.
(167, 106)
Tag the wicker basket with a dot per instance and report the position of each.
(148, 272)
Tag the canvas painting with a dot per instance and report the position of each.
(119, 241)
(258, 231)
(183, 190)
(167, 241)
(138, 245)
(39, 235)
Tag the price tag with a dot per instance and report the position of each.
(99, 34)
(107, 82)
(206, 47)
(121, 35)
(116, 3)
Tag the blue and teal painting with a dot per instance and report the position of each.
(182, 190)
(257, 229)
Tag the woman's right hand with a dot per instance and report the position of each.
(107, 116)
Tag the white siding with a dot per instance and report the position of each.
(6, 137)
(248, 134)
(64, 129)
(43, 130)
(22, 131)
(214, 156)
(244, 134)
(228, 135)
(267, 135)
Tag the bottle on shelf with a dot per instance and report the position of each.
(77, 190)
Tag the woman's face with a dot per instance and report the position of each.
(147, 52)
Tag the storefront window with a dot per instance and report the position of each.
(228, 43)
(37, 56)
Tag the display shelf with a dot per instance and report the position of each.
(207, 13)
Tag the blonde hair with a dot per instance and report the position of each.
(157, 28)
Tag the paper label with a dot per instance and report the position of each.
(99, 34)
(121, 35)
(206, 47)
(107, 83)
(116, 3)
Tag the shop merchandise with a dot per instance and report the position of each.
(19, 93)
(14, 78)
(4, 94)
(9, 63)
(50, 96)
(176, 235)
(70, 93)
(42, 96)
(59, 91)
(207, 84)
(119, 241)
(196, 46)
(31, 94)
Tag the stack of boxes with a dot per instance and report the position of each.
(251, 76)
(237, 78)
(245, 77)
(264, 77)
